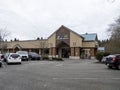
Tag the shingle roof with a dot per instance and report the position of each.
(26, 44)
(89, 37)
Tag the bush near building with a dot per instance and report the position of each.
(46, 58)
(57, 59)
(100, 55)
(52, 58)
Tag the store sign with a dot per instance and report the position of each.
(61, 36)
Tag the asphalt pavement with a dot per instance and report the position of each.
(59, 75)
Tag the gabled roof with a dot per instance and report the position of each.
(25, 44)
(89, 37)
(68, 30)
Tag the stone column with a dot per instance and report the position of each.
(30, 50)
(60, 53)
(39, 51)
(72, 55)
(77, 51)
(92, 53)
(72, 51)
(13, 51)
(8, 50)
(50, 51)
(53, 51)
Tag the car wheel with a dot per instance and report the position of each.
(118, 67)
(30, 58)
(0, 64)
(110, 67)
(7, 62)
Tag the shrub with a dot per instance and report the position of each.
(106, 53)
(57, 59)
(99, 56)
(45, 58)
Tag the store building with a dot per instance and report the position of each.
(63, 43)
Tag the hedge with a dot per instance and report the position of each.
(100, 55)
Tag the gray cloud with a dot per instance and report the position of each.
(29, 19)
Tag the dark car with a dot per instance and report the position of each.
(0, 63)
(34, 56)
(1, 59)
(113, 61)
(5, 56)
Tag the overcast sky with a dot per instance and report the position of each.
(29, 19)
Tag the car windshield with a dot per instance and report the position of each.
(14, 56)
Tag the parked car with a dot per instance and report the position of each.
(113, 61)
(1, 59)
(5, 56)
(23, 54)
(13, 58)
(0, 63)
(34, 56)
(104, 59)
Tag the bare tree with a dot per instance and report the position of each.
(43, 45)
(3, 34)
(114, 43)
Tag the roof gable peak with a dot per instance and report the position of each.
(66, 28)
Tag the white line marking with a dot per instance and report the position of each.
(45, 85)
(86, 78)
(59, 65)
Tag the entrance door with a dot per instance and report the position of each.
(16, 49)
(65, 52)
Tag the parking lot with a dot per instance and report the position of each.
(59, 75)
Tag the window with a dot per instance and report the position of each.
(14, 56)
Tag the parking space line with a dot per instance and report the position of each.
(59, 65)
(87, 78)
